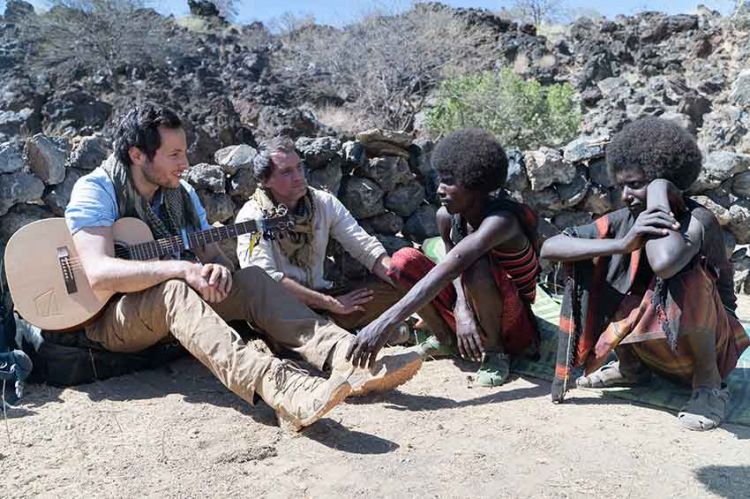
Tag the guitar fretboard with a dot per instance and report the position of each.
(175, 244)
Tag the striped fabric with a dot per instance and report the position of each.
(523, 268)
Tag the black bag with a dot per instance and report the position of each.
(66, 359)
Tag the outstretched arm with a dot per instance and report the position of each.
(493, 231)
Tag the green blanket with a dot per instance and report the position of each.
(660, 392)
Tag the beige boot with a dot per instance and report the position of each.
(390, 370)
(298, 398)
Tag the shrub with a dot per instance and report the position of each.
(520, 113)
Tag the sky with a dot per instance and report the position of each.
(339, 12)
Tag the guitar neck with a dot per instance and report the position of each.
(175, 244)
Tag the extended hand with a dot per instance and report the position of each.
(652, 222)
(467, 336)
(365, 347)
(350, 302)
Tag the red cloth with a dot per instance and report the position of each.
(408, 266)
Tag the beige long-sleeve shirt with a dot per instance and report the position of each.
(331, 219)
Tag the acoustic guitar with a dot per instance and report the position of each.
(46, 278)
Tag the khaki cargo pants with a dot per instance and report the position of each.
(135, 321)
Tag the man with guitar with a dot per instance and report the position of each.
(192, 295)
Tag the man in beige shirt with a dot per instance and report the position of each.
(297, 260)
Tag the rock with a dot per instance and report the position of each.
(13, 122)
(19, 187)
(740, 93)
(234, 158)
(722, 214)
(718, 167)
(380, 142)
(739, 223)
(46, 156)
(206, 177)
(59, 196)
(546, 167)
(387, 171)
(729, 242)
(377, 135)
(613, 85)
(291, 122)
(393, 243)
(599, 173)
(327, 178)
(11, 157)
(88, 152)
(219, 207)
(203, 8)
(201, 146)
(387, 223)
(545, 202)
(363, 197)
(566, 219)
(242, 185)
(318, 152)
(17, 9)
(74, 112)
(18, 216)
(354, 154)
(545, 230)
(419, 157)
(680, 119)
(585, 148)
(573, 192)
(404, 199)
(741, 184)
(517, 179)
(422, 224)
(598, 201)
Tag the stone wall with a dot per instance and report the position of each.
(386, 180)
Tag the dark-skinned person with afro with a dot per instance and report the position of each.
(650, 281)
(484, 287)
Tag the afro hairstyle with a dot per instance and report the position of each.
(473, 158)
(658, 147)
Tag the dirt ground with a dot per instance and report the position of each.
(176, 432)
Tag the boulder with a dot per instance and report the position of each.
(219, 207)
(422, 224)
(46, 157)
(718, 167)
(598, 200)
(386, 223)
(242, 185)
(59, 196)
(206, 177)
(380, 142)
(355, 154)
(88, 152)
(546, 167)
(18, 216)
(566, 219)
(419, 157)
(19, 187)
(404, 199)
(741, 184)
(545, 202)
(318, 152)
(74, 112)
(599, 173)
(327, 178)
(11, 157)
(739, 223)
(393, 243)
(574, 191)
(13, 122)
(234, 158)
(517, 179)
(362, 196)
(585, 148)
(740, 93)
(722, 214)
(387, 171)
(291, 122)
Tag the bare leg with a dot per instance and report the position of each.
(486, 302)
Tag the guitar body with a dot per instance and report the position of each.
(47, 282)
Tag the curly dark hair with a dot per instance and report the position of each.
(139, 128)
(473, 157)
(660, 148)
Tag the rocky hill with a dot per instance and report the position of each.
(228, 86)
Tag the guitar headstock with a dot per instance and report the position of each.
(277, 221)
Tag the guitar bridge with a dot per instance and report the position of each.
(63, 256)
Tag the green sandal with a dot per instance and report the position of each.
(432, 348)
(494, 370)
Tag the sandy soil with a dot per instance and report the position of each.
(176, 432)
